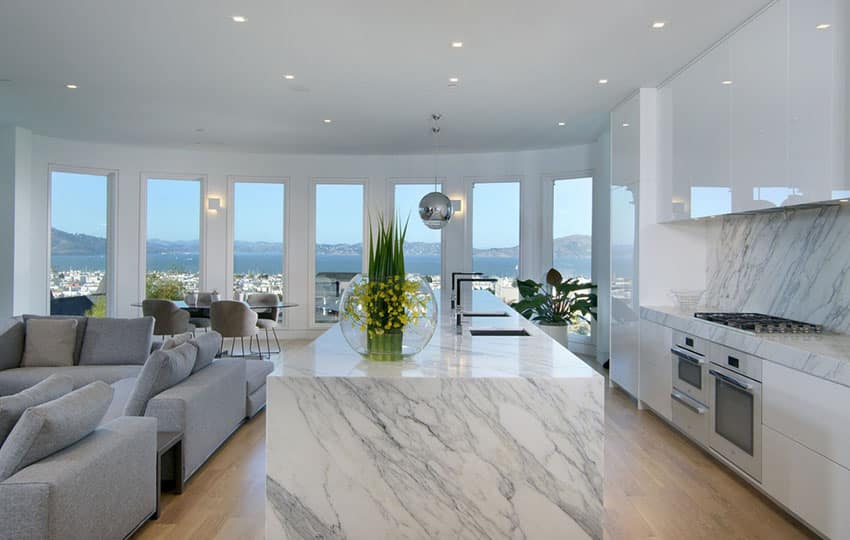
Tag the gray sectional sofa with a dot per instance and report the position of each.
(104, 485)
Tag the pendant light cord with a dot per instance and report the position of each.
(435, 129)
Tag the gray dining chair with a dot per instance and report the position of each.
(204, 301)
(234, 320)
(169, 320)
(265, 305)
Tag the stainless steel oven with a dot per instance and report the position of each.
(690, 367)
(735, 403)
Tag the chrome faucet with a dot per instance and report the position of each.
(459, 307)
(454, 282)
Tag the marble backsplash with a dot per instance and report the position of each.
(793, 264)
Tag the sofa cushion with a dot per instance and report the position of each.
(161, 371)
(174, 341)
(13, 381)
(256, 371)
(12, 407)
(117, 341)
(11, 342)
(49, 343)
(81, 329)
(208, 345)
(47, 428)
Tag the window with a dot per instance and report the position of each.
(258, 237)
(495, 235)
(339, 244)
(572, 218)
(79, 240)
(173, 238)
(422, 247)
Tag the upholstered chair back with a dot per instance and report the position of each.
(233, 319)
(169, 320)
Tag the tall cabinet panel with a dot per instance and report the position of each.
(625, 183)
(814, 131)
(759, 142)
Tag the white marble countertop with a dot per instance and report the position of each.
(448, 355)
(824, 355)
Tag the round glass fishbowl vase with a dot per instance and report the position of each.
(388, 319)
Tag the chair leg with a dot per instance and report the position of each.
(268, 343)
(277, 341)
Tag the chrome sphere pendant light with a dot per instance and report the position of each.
(435, 208)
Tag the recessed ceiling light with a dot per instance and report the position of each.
(457, 44)
(454, 80)
(626, 124)
(658, 25)
(824, 26)
(289, 77)
(71, 86)
(603, 81)
(726, 82)
(562, 124)
(327, 120)
(239, 18)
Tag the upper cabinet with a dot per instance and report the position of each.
(760, 120)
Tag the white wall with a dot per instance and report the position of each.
(131, 162)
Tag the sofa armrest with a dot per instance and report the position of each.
(206, 407)
(103, 486)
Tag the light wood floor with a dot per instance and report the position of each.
(657, 486)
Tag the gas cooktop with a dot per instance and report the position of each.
(758, 323)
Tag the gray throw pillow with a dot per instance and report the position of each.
(81, 329)
(117, 342)
(174, 341)
(12, 407)
(162, 370)
(50, 427)
(208, 344)
(11, 343)
(49, 343)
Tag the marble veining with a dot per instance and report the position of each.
(791, 264)
(826, 356)
(475, 437)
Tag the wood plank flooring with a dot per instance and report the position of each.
(657, 486)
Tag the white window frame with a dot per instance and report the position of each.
(230, 248)
(311, 246)
(469, 184)
(111, 228)
(547, 244)
(441, 181)
(143, 224)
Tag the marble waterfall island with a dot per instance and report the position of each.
(475, 437)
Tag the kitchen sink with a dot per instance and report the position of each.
(485, 314)
(498, 332)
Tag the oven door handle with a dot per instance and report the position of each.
(687, 356)
(746, 387)
(688, 402)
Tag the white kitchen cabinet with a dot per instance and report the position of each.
(656, 371)
(625, 308)
(758, 132)
(814, 488)
(814, 130)
(762, 119)
(808, 409)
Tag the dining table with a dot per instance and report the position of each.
(203, 310)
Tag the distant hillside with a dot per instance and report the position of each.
(575, 246)
(64, 243)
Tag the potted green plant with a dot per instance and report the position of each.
(557, 304)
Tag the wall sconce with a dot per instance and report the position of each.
(214, 204)
(457, 206)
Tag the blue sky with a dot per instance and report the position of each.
(79, 206)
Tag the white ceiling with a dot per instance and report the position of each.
(153, 72)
